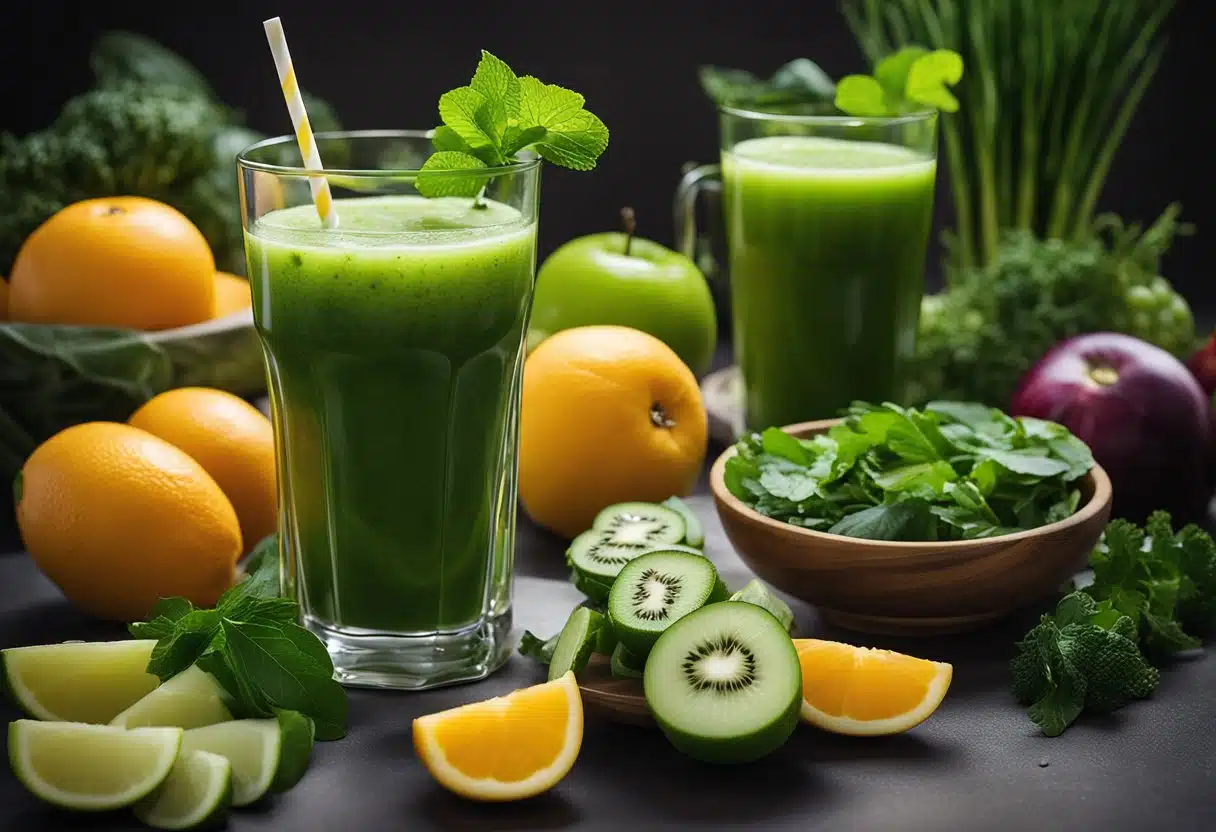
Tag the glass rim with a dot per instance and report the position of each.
(830, 120)
(243, 161)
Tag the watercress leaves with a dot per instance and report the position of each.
(498, 115)
(253, 646)
(951, 471)
(911, 79)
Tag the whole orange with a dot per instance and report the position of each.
(118, 261)
(118, 519)
(233, 442)
(232, 294)
(609, 414)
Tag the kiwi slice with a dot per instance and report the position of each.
(694, 533)
(625, 665)
(724, 683)
(755, 592)
(618, 535)
(654, 591)
(575, 642)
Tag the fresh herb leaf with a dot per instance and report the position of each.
(952, 471)
(1079, 659)
(451, 184)
(497, 116)
(757, 592)
(253, 647)
(910, 79)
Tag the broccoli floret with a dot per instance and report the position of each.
(141, 140)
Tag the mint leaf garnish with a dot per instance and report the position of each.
(253, 647)
(501, 89)
(907, 80)
(497, 116)
(452, 185)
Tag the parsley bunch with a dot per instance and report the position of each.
(1153, 595)
(499, 115)
(253, 646)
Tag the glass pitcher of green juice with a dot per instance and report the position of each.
(394, 349)
(827, 221)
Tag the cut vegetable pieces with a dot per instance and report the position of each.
(78, 681)
(694, 533)
(575, 643)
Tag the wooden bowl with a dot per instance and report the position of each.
(898, 588)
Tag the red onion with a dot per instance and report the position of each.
(1141, 412)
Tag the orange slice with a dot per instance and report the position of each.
(865, 692)
(506, 748)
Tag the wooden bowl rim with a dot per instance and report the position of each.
(1097, 503)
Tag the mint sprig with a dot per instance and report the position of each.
(911, 79)
(497, 116)
(253, 647)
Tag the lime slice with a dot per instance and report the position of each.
(267, 755)
(91, 768)
(190, 699)
(78, 681)
(197, 792)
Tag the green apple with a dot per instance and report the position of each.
(617, 278)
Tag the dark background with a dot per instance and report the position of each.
(384, 64)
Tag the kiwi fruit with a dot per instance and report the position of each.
(575, 642)
(755, 592)
(625, 665)
(694, 533)
(724, 683)
(654, 591)
(619, 534)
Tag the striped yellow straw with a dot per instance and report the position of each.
(299, 119)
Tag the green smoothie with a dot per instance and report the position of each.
(827, 244)
(393, 346)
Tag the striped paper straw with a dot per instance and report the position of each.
(299, 119)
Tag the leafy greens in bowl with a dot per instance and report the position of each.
(952, 471)
(52, 377)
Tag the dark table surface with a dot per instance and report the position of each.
(977, 764)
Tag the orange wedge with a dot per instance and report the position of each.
(507, 748)
(865, 692)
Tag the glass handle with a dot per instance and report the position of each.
(694, 181)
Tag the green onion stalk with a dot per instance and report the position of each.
(1049, 90)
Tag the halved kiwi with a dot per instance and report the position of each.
(575, 642)
(625, 665)
(724, 683)
(619, 534)
(656, 590)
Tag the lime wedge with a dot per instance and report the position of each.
(197, 792)
(266, 754)
(190, 699)
(91, 768)
(78, 681)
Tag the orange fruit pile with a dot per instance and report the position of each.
(866, 692)
(120, 515)
(123, 261)
(609, 414)
(507, 748)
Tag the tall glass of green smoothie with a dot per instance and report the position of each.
(394, 348)
(827, 222)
